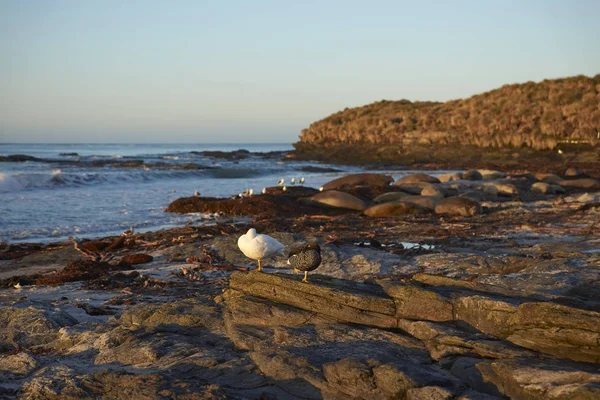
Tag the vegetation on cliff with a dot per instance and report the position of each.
(537, 115)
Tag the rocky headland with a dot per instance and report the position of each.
(530, 124)
(477, 284)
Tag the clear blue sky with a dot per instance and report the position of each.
(260, 71)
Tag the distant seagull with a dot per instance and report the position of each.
(560, 151)
(281, 182)
(284, 188)
(293, 181)
(321, 189)
(17, 286)
(250, 192)
(240, 195)
(196, 193)
(174, 190)
(301, 181)
(264, 191)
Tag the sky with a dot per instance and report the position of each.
(261, 71)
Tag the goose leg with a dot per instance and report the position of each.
(305, 276)
(259, 266)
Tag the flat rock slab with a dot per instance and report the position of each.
(542, 326)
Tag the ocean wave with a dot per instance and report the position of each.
(57, 178)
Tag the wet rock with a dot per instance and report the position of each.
(573, 172)
(458, 206)
(583, 183)
(475, 195)
(389, 197)
(28, 327)
(339, 199)
(413, 188)
(491, 191)
(546, 188)
(17, 365)
(416, 178)
(312, 168)
(19, 158)
(138, 258)
(395, 208)
(472, 175)
(366, 179)
(528, 379)
(454, 176)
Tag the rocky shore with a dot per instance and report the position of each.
(478, 284)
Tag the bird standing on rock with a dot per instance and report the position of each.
(258, 247)
(305, 257)
(301, 181)
(281, 182)
(293, 181)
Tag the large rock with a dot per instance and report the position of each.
(491, 175)
(17, 365)
(573, 172)
(504, 189)
(416, 178)
(543, 380)
(339, 199)
(546, 177)
(583, 183)
(370, 307)
(453, 176)
(390, 196)
(366, 179)
(395, 208)
(546, 188)
(472, 175)
(29, 327)
(458, 206)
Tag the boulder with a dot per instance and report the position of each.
(475, 195)
(504, 189)
(366, 179)
(573, 172)
(583, 183)
(22, 328)
(546, 188)
(454, 176)
(416, 178)
(335, 198)
(458, 206)
(548, 178)
(20, 364)
(541, 379)
(490, 190)
(394, 209)
(472, 175)
(390, 196)
(491, 175)
(433, 191)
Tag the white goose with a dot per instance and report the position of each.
(258, 247)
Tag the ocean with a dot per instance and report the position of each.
(80, 190)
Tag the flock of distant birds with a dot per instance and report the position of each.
(250, 192)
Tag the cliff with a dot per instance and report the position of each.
(539, 116)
